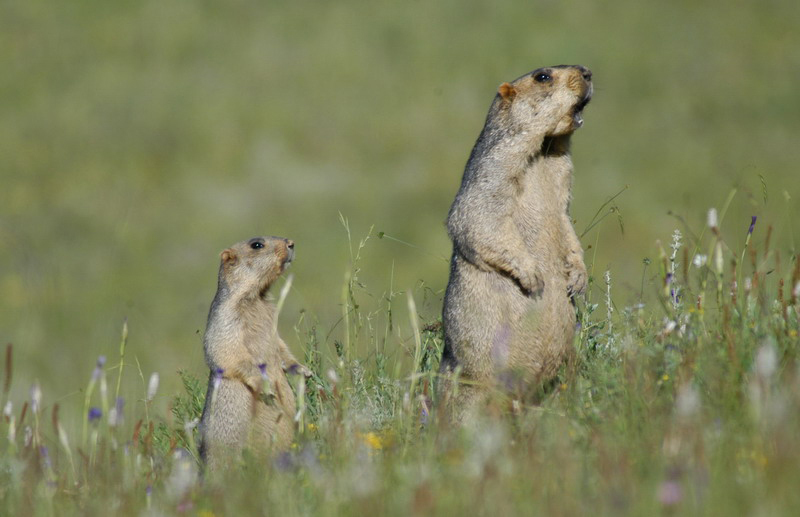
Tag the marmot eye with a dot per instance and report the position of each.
(256, 245)
(542, 77)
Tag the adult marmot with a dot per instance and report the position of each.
(249, 401)
(516, 260)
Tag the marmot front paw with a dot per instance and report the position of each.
(577, 277)
(298, 369)
(531, 281)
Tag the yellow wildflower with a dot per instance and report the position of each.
(372, 440)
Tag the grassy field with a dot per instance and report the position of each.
(139, 139)
(686, 407)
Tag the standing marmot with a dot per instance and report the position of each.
(516, 258)
(249, 401)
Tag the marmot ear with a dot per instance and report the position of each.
(228, 256)
(507, 92)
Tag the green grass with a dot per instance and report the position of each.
(686, 406)
(140, 138)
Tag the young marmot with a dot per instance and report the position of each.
(249, 401)
(517, 261)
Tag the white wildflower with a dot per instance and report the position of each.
(331, 374)
(190, 425)
(675, 246)
(700, 260)
(112, 417)
(712, 218)
(718, 260)
(688, 402)
(152, 386)
(766, 361)
(36, 397)
(183, 476)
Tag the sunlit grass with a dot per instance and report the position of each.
(688, 406)
(141, 138)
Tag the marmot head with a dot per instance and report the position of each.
(548, 101)
(252, 265)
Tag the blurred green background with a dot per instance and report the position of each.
(140, 138)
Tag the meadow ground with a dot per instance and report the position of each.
(688, 406)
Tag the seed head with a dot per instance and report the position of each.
(36, 397)
(712, 219)
(98, 368)
(152, 386)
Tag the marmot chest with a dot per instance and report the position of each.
(544, 192)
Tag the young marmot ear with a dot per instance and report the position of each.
(228, 257)
(507, 92)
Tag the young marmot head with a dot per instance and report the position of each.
(251, 266)
(548, 101)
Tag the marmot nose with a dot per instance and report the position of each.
(586, 73)
(290, 244)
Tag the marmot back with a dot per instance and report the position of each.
(249, 401)
(516, 259)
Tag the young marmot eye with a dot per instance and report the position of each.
(542, 77)
(257, 245)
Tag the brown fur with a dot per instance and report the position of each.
(516, 260)
(241, 335)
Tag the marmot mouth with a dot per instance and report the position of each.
(577, 115)
(289, 258)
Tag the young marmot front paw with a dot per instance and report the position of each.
(577, 277)
(297, 369)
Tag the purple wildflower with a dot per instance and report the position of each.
(670, 493)
(115, 413)
(98, 369)
(285, 462)
(423, 417)
(94, 414)
(217, 378)
(263, 369)
(752, 225)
